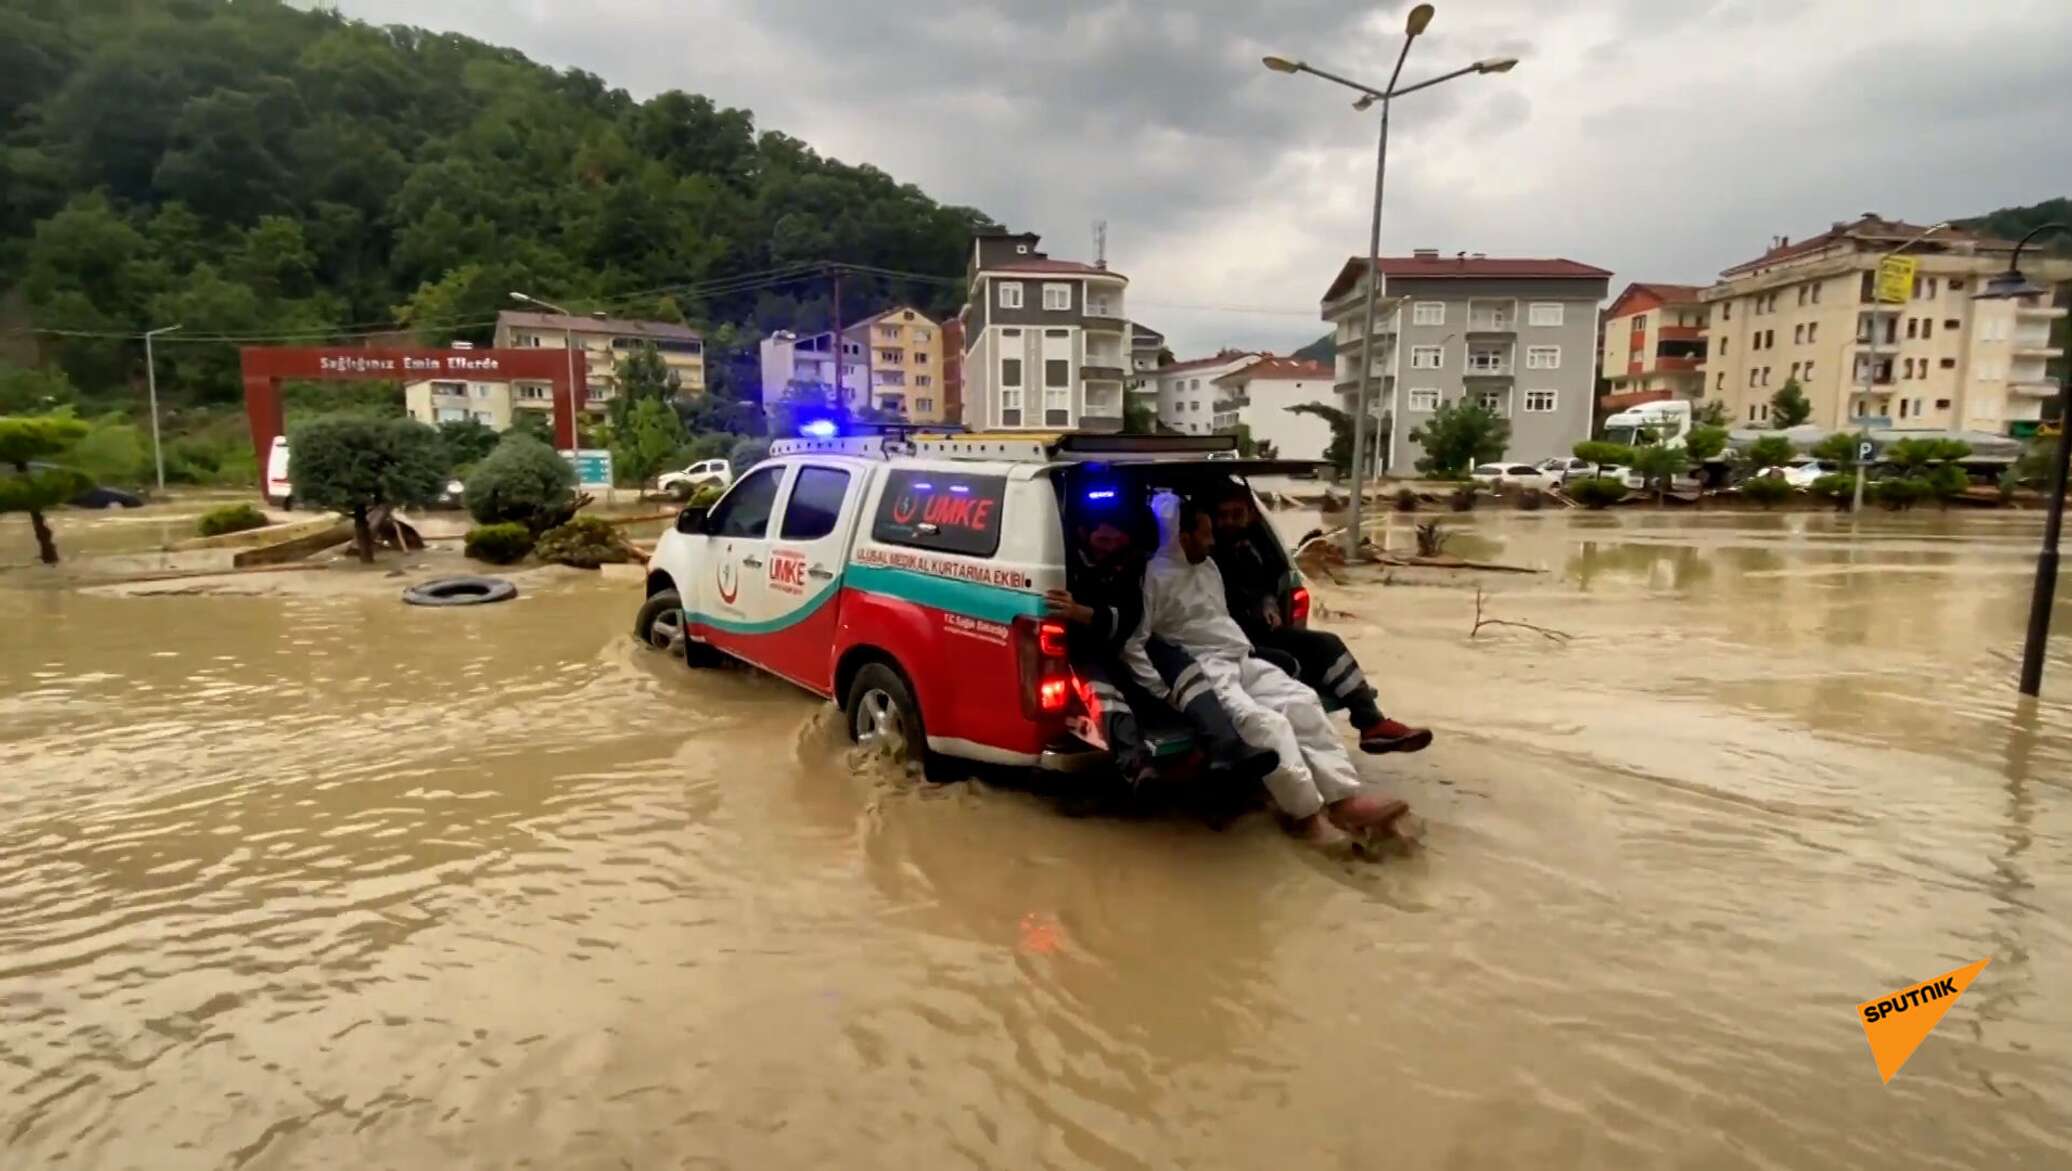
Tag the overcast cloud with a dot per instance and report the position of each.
(1661, 140)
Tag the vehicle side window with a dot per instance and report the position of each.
(815, 504)
(952, 512)
(745, 512)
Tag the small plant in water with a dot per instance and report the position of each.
(1431, 539)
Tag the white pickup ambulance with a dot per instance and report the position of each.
(901, 576)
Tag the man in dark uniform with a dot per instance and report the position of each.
(1253, 588)
(1104, 607)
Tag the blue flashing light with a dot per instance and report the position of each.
(1101, 494)
(960, 488)
(923, 486)
(819, 429)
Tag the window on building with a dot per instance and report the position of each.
(1769, 339)
(1812, 331)
(1424, 399)
(888, 333)
(1903, 408)
(1057, 296)
(1427, 357)
(1726, 311)
(1809, 371)
(1956, 284)
(1951, 322)
(1802, 294)
(1947, 363)
(1794, 369)
(1751, 412)
(1927, 328)
(1723, 345)
(1428, 313)
(923, 380)
(1766, 376)
(888, 356)
(1913, 327)
(1010, 294)
(1798, 335)
(1816, 292)
(1543, 357)
(1496, 402)
(1544, 313)
(1640, 323)
(924, 405)
(1719, 383)
(1539, 402)
(1057, 372)
(1010, 372)
(923, 336)
(1753, 374)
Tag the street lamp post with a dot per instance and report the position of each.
(1870, 370)
(568, 342)
(151, 387)
(2011, 285)
(1363, 400)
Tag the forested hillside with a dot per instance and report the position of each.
(250, 169)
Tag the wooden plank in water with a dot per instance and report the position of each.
(295, 548)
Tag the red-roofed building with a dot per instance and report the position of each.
(1187, 390)
(1261, 396)
(1937, 360)
(1516, 335)
(1046, 342)
(1654, 345)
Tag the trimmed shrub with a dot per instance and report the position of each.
(1836, 487)
(1530, 499)
(231, 518)
(499, 544)
(1598, 491)
(1406, 500)
(1462, 499)
(706, 496)
(585, 542)
(1765, 490)
(522, 482)
(1898, 493)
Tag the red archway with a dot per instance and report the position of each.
(265, 366)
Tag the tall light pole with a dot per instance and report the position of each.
(1870, 369)
(151, 385)
(1415, 24)
(2011, 285)
(568, 342)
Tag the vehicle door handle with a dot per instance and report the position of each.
(752, 562)
(816, 571)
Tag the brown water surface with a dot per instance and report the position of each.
(309, 881)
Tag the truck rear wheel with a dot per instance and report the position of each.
(882, 714)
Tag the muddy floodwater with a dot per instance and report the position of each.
(297, 880)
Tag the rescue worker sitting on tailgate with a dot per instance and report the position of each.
(1104, 607)
(1252, 585)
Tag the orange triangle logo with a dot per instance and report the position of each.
(1897, 1023)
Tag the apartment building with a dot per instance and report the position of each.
(604, 341)
(1260, 396)
(1146, 346)
(1045, 341)
(795, 366)
(1187, 394)
(903, 353)
(1939, 361)
(446, 400)
(1517, 335)
(1652, 344)
(953, 371)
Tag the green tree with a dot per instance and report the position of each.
(1705, 443)
(651, 440)
(642, 377)
(112, 452)
(1766, 490)
(1602, 453)
(1917, 455)
(537, 424)
(37, 490)
(1458, 436)
(1139, 416)
(469, 441)
(1597, 492)
(1658, 465)
(1711, 413)
(1768, 452)
(522, 482)
(1789, 407)
(356, 465)
(1339, 452)
(33, 392)
(1840, 448)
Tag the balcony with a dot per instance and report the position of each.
(2034, 388)
(1093, 373)
(2040, 312)
(1487, 370)
(2029, 348)
(1669, 364)
(1492, 323)
(1679, 333)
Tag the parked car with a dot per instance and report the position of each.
(684, 483)
(280, 491)
(1801, 473)
(1516, 475)
(1567, 469)
(903, 581)
(98, 496)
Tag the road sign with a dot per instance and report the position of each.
(593, 467)
(1895, 279)
(1865, 450)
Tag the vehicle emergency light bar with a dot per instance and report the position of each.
(1071, 446)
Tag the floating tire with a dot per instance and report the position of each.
(460, 591)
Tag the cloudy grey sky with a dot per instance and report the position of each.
(1662, 139)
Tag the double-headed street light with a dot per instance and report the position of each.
(568, 340)
(1420, 17)
(2008, 286)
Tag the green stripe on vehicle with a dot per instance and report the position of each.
(990, 602)
(806, 610)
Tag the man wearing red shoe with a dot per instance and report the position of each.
(1253, 590)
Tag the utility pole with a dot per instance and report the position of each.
(835, 338)
(151, 385)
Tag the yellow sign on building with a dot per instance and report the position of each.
(1895, 278)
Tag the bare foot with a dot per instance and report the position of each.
(1367, 812)
(1317, 830)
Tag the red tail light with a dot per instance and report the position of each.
(1052, 693)
(1046, 677)
(1298, 607)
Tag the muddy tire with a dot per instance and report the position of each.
(881, 713)
(660, 621)
(467, 590)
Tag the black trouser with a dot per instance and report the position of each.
(1108, 693)
(1328, 667)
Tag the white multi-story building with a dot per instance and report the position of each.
(1260, 396)
(1187, 391)
(795, 367)
(1046, 342)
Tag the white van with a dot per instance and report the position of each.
(280, 492)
